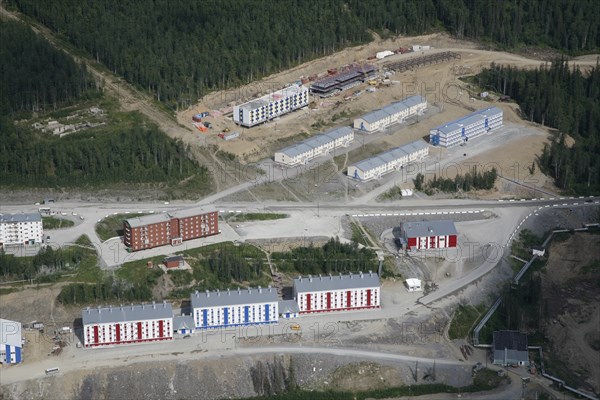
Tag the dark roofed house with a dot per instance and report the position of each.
(173, 262)
(510, 348)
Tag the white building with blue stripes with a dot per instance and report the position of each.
(11, 342)
(221, 309)
(466, 128)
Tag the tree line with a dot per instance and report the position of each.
(564, 98)
(472, 180)
(180, 50)
(334, 257)
(116, 290)
(47, 261)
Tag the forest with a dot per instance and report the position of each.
(334, 257)
(179, 50)
(472, 180)
(564, 98)
(36, 78)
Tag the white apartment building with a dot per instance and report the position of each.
(391, 160)
(394, 113)
(270, 106)
(219, 309)
(315, 146)
(127, 324)
(21, 229)
(465, 128)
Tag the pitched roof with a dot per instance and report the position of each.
(288, 306)
(316, 141)
(14, 218)
(233, 297)
(390, 155)
(166, 216)
(183, 322)
(138, 312)
(429, 228)
(393, 108)
(468, 119)
(336, 282)
(511, 340)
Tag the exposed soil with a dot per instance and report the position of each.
(571, 289)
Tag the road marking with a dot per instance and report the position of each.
(523, 199)
(575, 204)
(151, 211)
(115, 213)
(542, 198)
(450, 212)
(554, 205)
(419, 214)
(565, 204)
(596, 202)
(571, 198)
(500, 200)
(396, 214)
(444, 212)
(533, 199)
(463, 212)
(238, 211)
(590, 197)
(427, 213)
(127, 212)
(547, 205)
(552, 198)
(537, 214)
(222, 211)
(561, 198)
(470, 211)
(482, 210)
(582, 197)
(512, 200)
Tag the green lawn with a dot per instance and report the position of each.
(464, 319)
(56, 223)
(245, 217)
(112, 225)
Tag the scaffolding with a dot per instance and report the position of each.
(418, 62)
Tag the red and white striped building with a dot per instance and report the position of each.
(127, 324)
(337, 292)
(428, 235)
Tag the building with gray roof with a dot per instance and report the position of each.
(21, 229)
(306, 150)
(510, 348)
(466, 128)
(125, 313)
(393, 113)
(341, 292)
(428, 234)
(394, 159)
(269, 106)
(223, 308)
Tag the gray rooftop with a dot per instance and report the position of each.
(14, 218)
(189, 212)
(392, 108)
(138, 312)
(316, 141)
(336, 282)
(288, 306)
(183, 322)
(165, 216)
(268, 98)
(233, 297)
(510, 346)
(390, 155)
(429, 228)
(468, 119)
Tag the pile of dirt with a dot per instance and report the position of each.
(570, 290)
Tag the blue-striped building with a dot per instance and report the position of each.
(10, 342)
(220, 309)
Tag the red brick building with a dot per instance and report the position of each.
(169, 228)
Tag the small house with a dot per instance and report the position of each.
(183, 324)
(413, 285)
(174, 262)
(510, 348)
(288, 309)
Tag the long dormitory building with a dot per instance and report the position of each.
(337, 292)
(468, 127)
(386, 162)
(396, 112)
(319, 145)
(333, 84)
(220, 309)
(105, 326)
(265, 108)
(172, 228)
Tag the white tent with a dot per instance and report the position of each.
(414, 285)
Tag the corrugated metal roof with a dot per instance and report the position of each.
(27, 217)
(134, 312)
(429, 228)
(233, 297)
(468, 119)
(336, 282)
(390, 155)
(288, 306)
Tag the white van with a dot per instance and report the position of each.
(51, 371)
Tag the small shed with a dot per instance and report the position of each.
(538, 251)
(174, 262)
(413, 285)
(510, 348)
(288, 309)
(183, 324)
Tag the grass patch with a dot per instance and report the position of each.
(112, 225)
(389, 269)
(4, 291)
(464, 319)
(395, 193)
(137, 272)
(357, 235)
(56, 223)
(84, 240)
(246, 217)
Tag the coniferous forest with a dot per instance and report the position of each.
(35, 77)
(568, 100)
(180, 49)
